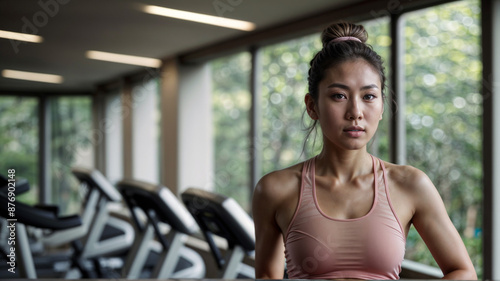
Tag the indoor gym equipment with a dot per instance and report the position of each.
(160, 205)
(102, 233)
(108, 233)
(26, 215)
(224, 217)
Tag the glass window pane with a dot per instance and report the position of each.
(145, 125)
(19, 142)
(71, 145)
(284, 85)
(443, 114)
(231, 110)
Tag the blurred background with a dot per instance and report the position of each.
(218, 107)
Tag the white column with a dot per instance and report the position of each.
(112, 128)
(195, 127)
(145, 130)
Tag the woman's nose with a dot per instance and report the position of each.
(353, 111)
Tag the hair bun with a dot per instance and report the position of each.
(343, 29)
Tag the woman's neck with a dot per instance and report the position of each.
(344, 165)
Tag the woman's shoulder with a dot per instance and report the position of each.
(411, 190)
(284, 174)
(407, 177)
(280, 183)
(276, 196)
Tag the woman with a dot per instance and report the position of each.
(345, 214)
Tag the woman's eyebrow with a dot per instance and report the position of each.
(371, 86)
(345, 87)
(337, 85)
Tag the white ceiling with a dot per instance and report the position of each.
(71, 27)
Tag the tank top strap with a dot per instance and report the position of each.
(387, 196)
(384, 187)
(305, 193)
(308, 175)
(383, 171)
(308, 185)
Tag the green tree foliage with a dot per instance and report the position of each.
(443, 113)
(70, 140)
(284, 85)
(71, 127)
(19, 141)
(231, 108)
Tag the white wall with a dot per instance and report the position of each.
(145, 131)
(195, 128)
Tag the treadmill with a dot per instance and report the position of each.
(154, 207)
(222, 216)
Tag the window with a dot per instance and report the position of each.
(19, 141)
(145, 126)
(231, 110)
(71, 145)
(443, 114)
(284, 85)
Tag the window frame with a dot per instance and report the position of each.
(44, 139)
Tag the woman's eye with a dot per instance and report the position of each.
(338, 96)
(369, 97)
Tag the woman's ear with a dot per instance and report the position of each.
(311, 107)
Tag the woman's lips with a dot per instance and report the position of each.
(354, 131)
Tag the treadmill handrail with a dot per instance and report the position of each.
(32, 216)
(235, 224)
(97, 180)
(162, 201)
(21, 185)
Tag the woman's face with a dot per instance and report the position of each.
(349, 105)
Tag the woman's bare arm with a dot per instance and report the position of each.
(269, 248)
(438, 232)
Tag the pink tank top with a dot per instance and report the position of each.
(321, 247)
